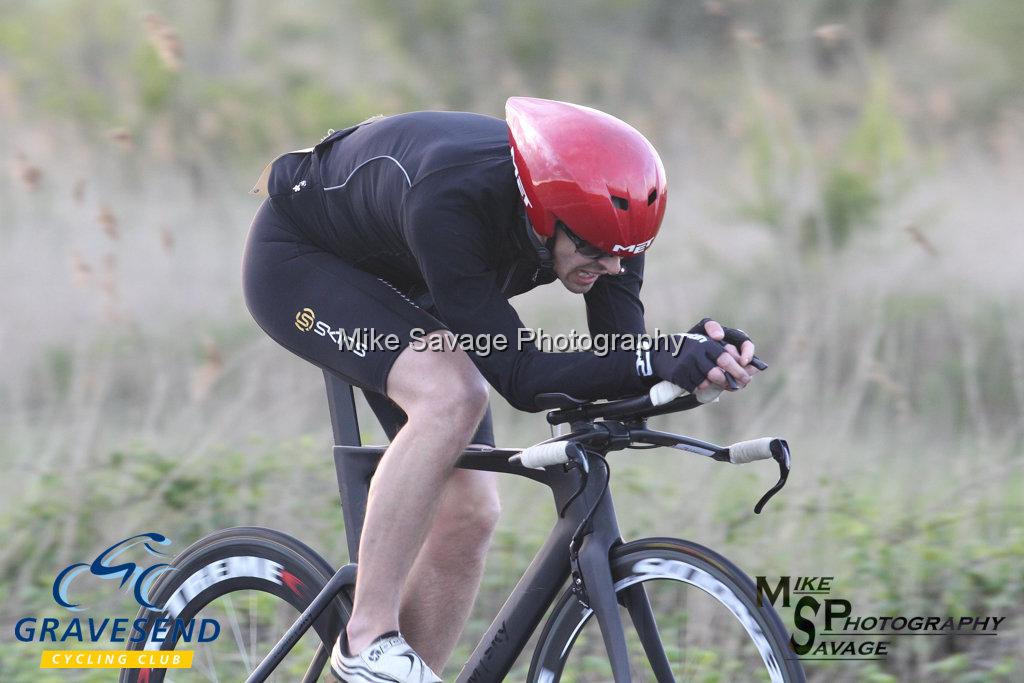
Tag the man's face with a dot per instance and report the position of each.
(578, 272)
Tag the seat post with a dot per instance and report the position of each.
(353, 470)
(342, 405)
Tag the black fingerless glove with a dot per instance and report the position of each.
(696, 357)
(733, 335)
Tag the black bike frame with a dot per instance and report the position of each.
(579, 498)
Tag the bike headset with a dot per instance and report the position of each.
(587, 170)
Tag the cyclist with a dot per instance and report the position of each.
(421, 226)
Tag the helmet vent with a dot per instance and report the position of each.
(652, 196)
(620, 203)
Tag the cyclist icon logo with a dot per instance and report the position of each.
(131, 573)
(304, 319)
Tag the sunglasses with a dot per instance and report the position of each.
(584, 248)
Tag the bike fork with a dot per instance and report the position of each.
(597, 592)
(600, 591)
(346, 576)
(635, 600)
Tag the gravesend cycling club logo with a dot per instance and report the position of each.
(138, 578)
(850, 636)
(129, 562)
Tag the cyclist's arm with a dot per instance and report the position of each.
(450, 247)
(613, 303)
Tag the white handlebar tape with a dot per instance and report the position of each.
(663, 392)
(708, 395)
(749, 451)
(540, 456)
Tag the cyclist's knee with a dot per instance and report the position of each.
(428, 384)
(464, 395)
(459, 401)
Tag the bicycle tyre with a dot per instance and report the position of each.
(264, 561)
(676, 561)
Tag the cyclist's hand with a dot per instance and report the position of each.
(687, 360)
(737, 344)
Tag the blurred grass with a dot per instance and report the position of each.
(845, 187)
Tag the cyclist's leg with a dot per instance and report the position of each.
(444, 397)
(445, 578)
(442, 393)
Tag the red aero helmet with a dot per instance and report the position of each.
(589, 170)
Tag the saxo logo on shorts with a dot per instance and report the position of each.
(306, 321)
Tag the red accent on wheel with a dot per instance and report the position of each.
(293, 582)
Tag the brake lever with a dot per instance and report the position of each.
(756, 362)
(780, 454)
(578, 456)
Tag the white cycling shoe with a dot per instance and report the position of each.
(388, 659)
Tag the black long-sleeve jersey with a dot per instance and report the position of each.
(429, 201)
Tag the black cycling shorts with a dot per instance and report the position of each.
(302, 296)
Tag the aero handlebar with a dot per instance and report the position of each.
(629, 415)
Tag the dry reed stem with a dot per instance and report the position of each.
(920, 240)
(971, 386)
(30, 175)
(715, 8)
(123, 137)
(78, 191)
(1016, 352)
(158, 397)
(747, 38)
(206, 375)
(81, 271)
(166, 239)
(831, 35)
(164, 40)
(110, 289)
(859, 384)
(108, 222)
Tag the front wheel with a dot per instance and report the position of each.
(229, 598)
(689, 615)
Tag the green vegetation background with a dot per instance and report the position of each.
(845, 179)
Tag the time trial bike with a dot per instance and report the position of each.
(653, 609)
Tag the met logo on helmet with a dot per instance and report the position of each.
(519, 182)
(632, 248)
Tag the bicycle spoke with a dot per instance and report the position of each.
(316, 666)
(253, 626)
(211, 668)
(236, 631)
